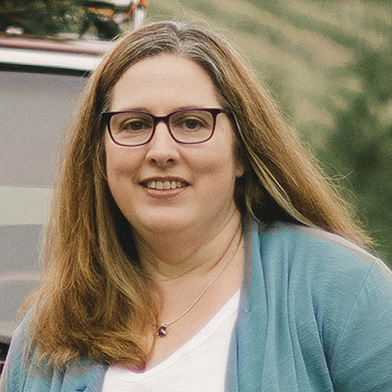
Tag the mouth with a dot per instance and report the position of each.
(164, 184)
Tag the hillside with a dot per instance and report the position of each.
(328, 64)
(295, 46)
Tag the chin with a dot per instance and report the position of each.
(162, 223)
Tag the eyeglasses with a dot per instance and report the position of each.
(133, 128)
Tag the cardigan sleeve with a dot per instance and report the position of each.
(14, 375)
(9, 377)
(362, 359)
(23, 372)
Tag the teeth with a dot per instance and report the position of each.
(165, 184)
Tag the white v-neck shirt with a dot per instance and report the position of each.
(199, 365)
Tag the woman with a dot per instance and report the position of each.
(192, 243)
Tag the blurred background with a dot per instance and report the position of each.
(327, 63)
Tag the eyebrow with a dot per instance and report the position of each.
(145, 110)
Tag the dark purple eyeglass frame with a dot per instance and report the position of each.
(106, 116)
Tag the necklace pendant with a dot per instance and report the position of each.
(162, 330)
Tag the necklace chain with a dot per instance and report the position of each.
(162, 328)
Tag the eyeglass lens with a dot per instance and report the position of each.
(133, 128)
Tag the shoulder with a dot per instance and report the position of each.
(300, 238)
(317, 288)
(314, 265)
(313, 249)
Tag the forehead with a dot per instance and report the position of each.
(166, 79)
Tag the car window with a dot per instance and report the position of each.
(34, 108)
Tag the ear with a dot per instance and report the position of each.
(239, 168)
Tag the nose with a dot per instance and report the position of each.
(162, 149)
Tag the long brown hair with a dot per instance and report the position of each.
(96, 299)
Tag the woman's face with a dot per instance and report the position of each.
(164, 186)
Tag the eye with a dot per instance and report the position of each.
(190, 122)
(135, 123)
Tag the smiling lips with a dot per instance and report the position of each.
(163, 185)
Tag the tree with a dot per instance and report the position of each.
(361, 142)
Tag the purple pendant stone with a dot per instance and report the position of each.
(162, 330)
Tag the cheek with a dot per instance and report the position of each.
(120, 169)
(119, 159)
(225, 158)
(113, 166)
(120, 181)
(219, 168)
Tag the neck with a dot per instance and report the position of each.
(173, 256)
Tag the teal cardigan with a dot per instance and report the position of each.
(315, 315)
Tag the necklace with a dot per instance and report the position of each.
(162, 328)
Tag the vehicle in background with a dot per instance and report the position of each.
(40, 83)
(96, 19)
